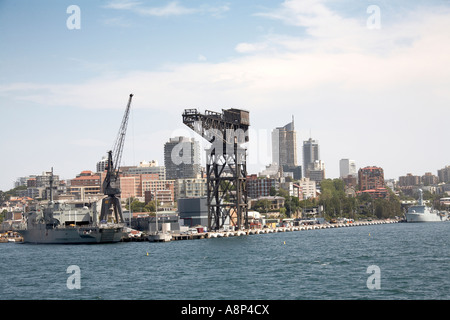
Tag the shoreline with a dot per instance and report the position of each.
(224, 234)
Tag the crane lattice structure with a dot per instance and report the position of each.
(226, 164)
(111, 204)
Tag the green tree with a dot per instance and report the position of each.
(292, 205)
(3, 215)
(273, 191)
(262, 205)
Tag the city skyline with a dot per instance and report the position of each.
(370, 90)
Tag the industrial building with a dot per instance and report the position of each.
(193, 211)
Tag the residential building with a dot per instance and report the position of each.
(87, 178)
(101, 165)
(444, 174)
(429, 179)
(190, 188)
(259, 187)
(136, 186)
(182, 158)
(370, 178)
(44, 180)
(371, 181)
(86, 184)
(409, 180)
(145, 167)
(163, 189)
(275, 202)
(307, 188)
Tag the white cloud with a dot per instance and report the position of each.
(373, 89)
(122, 4)
(170, 9)
(250, 47)
(413, 53)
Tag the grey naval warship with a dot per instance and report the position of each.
(69, 223)
(72, 222)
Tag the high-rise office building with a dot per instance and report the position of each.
(182, 158)
(347, 168)
(284, 145)
(284, 149)
(311, 155)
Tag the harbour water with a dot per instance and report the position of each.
(412, 260)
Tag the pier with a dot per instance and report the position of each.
(226, 234)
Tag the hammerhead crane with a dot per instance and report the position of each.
(111, 204)
(226, 164)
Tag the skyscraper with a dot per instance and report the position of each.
(310, 156)
(284, 149)
(284, 145)
(347, 168)
(182, 158)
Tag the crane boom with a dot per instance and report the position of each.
(120, 140)
(111, 204)
(115, 156)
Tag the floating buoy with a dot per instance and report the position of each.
(147, 254)
(285, 242)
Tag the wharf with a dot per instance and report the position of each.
(224, 234)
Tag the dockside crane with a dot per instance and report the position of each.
(111, 204)
(226, 165)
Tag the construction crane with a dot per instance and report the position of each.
(226, 165)
(111, 204)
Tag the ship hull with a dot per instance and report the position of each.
(423, 217)
(72, 235)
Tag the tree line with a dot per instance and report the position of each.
(333, 202)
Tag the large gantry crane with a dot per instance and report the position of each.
(226, 164)
(111, 204)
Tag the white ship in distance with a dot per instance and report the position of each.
(423, 213)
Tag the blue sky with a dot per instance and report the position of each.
(378, 96)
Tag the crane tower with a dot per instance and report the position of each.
(111, 204)
(226, 167)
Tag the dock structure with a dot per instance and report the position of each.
(237, 233)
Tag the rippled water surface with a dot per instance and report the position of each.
(413, 260)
